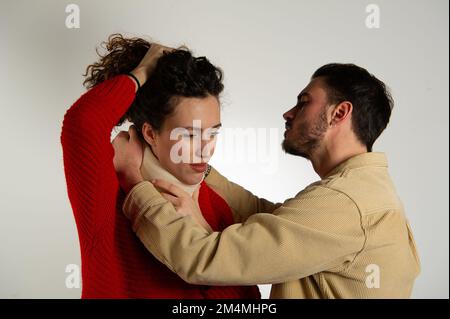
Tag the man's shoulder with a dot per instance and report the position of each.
(322, 193)
(370, 189)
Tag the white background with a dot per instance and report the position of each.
(268, 50)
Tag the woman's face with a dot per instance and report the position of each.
(187, 138)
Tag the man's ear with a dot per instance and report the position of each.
(341, 112)
(149, 134)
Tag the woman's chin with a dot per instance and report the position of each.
(191, 178)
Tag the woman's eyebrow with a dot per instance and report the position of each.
(196, 128)
(217, 125)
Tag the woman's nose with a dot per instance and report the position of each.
(207, 149)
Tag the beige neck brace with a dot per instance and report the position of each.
(151, 169)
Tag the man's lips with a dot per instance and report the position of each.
(287, 126)
(199, 167)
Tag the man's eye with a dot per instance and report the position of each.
(302, 104)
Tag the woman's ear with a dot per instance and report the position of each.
(149, 134)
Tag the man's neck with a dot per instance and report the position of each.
(326, 159)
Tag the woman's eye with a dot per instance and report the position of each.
(212, 134)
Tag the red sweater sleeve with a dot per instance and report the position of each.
(92, 183)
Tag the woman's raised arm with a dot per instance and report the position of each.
(87, 151)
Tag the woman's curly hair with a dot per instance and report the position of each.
(177, 74)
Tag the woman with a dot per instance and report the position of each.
(173, 89)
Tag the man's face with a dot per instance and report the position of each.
(306, 122)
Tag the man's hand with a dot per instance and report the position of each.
(182, 201)
(127, 160)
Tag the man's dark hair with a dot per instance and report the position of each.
(371, 99)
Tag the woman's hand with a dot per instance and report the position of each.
(127, 159)
(148, 63)
(182, 201)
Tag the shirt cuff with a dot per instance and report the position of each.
(140, 198)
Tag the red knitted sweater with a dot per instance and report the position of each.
(115, 264)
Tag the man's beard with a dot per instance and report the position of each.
(308, 139)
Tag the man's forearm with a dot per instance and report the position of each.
(129, 179)
(241, 201)
(267, 248)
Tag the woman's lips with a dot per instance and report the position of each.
(200, 167)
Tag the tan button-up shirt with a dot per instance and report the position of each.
(345, 236)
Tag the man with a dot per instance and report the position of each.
(345, 236)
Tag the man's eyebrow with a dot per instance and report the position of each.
(299, 97)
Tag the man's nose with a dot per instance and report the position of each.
(289, 115)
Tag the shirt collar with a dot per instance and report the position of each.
(361, 160)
